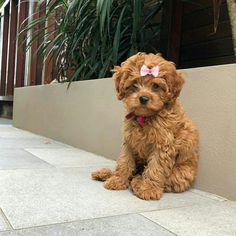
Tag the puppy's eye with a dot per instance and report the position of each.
(132, 87)
(155, 87)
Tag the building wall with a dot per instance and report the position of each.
(88, 116)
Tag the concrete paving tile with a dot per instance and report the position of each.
(36, 142)
(4, 121)
(112, 226)
(11, 137)
(70, 157)
(216, 219)
(40, 197)
(4, 128)
(10, 132)
(3, 224)
(17, 133)
(20, 159)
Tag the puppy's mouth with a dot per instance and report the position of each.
(143, 111)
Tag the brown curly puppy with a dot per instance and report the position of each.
(159, 151)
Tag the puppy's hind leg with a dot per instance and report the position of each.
(185, 168)
(102, 174)
(182, 177)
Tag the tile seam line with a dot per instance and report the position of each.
(10, 148)
(69, 222)
(58, 168)
(52, 166)
(85, 167)
(28, 150)
(66, 148)
(84, 220)
(88, 166)
(49, 168)
(102, 217)
(173, 208)
(159, 225)
(7, 221)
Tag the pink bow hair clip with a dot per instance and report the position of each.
(154, 71)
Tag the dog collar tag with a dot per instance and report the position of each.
(141, 120)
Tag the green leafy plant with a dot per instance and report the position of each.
(1, 2)
(90, 36)
(85, 38)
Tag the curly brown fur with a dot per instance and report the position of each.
(162, 154)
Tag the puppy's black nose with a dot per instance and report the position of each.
(143, 100)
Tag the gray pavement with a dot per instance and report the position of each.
(46, 189)
(5, 121)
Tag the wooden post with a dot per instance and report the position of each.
(4, 51)
(12, 47)
(20, 64)
(33, 56)
(36, 66)
(42, 12)
(48, 69)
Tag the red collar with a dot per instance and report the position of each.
(140, 119)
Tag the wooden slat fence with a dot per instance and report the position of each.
(19, 68)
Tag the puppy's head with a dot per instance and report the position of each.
(147, 93)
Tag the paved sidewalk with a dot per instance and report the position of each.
(5, 121)
(46, 189)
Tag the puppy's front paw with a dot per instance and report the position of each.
(101, 175)
(116, 183)
(145, 189)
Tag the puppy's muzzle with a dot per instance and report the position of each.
(143, 100)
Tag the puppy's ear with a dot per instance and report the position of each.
(174, 80)
(119, 77)
(178, 84)
(122, 73)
